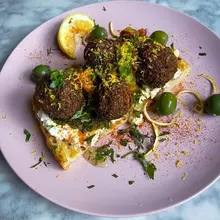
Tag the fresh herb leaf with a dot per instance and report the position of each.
(91, 186)
(57, 79)
(83, 114)
(28, 135)
(103, 152)
(49, 51)
(124, 142)
(151, 168)
(93, 76)
(137, 114)
(172, 47)
(131, 182)
(39, 161)
(45, 164)
(202, 54)
(50, 126)
(164, 133)
(53, 148)
(129, 147)
(115, 175)
(106, 123)
(103, 8)
(137, 137)
(162, 139)
(136, 96)
(148, 167)
(88, 140)
(123, 131)
(127, 154)
(118, 155)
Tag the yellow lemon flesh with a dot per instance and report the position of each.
(72, 29)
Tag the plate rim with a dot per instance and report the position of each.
(214, 179)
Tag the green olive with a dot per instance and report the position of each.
(212, 104)
(160, 37)
(40, 71)
(98, 33)
(166, 103)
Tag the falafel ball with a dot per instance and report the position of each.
(113, 100)
(158, 64)
(62, 99)
(100, 54)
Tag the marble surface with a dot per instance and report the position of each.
(17, 201)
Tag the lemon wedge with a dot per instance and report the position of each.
(71, 31)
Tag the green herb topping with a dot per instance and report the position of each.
(131, 182)
(88, 140)
(83, 115)
(164, 133)
(53, 148)
(137, 137)
(28, 135)
(115, 175)
(40, 160)
(57, 79)
(136, 96)
(202, 54)
(91, 186)
(103, 152)
(124, 142)
(162, 139)
(148, 166)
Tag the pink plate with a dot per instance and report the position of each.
(114, 196)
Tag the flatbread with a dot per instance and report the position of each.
(68, 150)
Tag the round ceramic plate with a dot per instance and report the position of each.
(195, 134)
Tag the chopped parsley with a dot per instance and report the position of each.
(162, 139)
(82, 115)
(124, 142)
(118, 155)
(137, 137)
(49, 51)
(39, 161)
(137, 114)
(103, 8)
(50, 126)
(91, 186)
(172, 47)
(136, 96)
(115, 175)
(131, 182)
(88, 140)
(164, 133)
(148, 166)
(53, 148)
(103, 152)
(127, 154)
(122, 131)
(57, 79)
(202, 54)
(28, 135)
